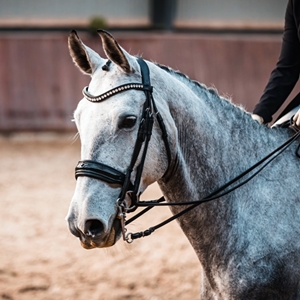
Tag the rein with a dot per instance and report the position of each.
(220, 192)
(108, 174)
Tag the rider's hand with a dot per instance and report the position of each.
(296, 118)
(259, 119)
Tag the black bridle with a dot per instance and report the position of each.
(110, 175)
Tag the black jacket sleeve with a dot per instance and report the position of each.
(284, 77)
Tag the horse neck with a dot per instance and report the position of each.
(216, 142)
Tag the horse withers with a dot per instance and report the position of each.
(248, 241)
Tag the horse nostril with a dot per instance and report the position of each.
(93, 228)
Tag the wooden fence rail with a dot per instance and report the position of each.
(40, 87)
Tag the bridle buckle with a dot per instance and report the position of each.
(122, 216)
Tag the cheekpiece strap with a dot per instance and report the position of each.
(145, 74)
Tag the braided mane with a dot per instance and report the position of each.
(210, 94)
(195, 84)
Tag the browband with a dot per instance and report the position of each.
(117, 90)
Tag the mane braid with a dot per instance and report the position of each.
(202, 86)
(212, 95)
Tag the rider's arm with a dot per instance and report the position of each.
(284, 77)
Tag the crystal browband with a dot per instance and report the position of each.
(119, 89)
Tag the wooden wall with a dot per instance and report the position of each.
(40, 87)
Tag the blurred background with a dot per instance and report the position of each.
(230, 44)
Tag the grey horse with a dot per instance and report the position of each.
(247, 242)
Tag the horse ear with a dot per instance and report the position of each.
(86, 59)
(114, 52)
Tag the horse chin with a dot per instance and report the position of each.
(108, 241)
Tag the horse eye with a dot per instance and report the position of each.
(127, 122)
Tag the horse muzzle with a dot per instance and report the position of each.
(94, 234)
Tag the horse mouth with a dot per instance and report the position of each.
(103, 241)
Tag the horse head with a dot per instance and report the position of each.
(108, 131)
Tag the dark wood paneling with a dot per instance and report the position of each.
(40, 87)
